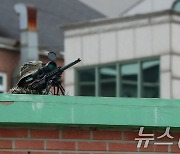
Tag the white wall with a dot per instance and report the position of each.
(175, 59)
(118, 41)
(158, 36)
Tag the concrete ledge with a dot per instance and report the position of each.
(89, 111)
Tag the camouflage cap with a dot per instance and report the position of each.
(29, 68)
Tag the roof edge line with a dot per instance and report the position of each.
(131, 7)
(104, 21)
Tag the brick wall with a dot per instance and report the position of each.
(9, 61)
(52, 140)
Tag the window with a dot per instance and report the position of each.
(3, 82)
(129, 80)
(107, 81)
(150, 79)
(137, 79)
(87, 84)
(176, 6)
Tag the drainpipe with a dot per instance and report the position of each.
(28, 32)
(28, 36)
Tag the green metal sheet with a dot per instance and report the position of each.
(71, 110)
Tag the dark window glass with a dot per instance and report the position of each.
(129, 78)
(108, 81)
(150, 79)
(1, 80)
(87, 75)
(129, 81)
(87, 90)
(86, 82)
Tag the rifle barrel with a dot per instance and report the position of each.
(71, 64)
(42, 83)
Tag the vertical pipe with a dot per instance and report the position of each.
(28, 36)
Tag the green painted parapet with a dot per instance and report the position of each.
(89, 111)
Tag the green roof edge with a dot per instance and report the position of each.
(88, 111)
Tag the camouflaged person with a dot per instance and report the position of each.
(25, 70)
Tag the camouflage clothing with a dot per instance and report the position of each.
(21, 90)
(27, 69)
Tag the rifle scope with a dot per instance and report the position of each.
(50, 66)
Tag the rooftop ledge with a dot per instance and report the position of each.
(88, 111)
(136, 17)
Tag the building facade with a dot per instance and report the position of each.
(23, 39)
(9, 63)
(88, 125)
(134, 56)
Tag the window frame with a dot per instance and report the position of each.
(118, 76)
(3, 87)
